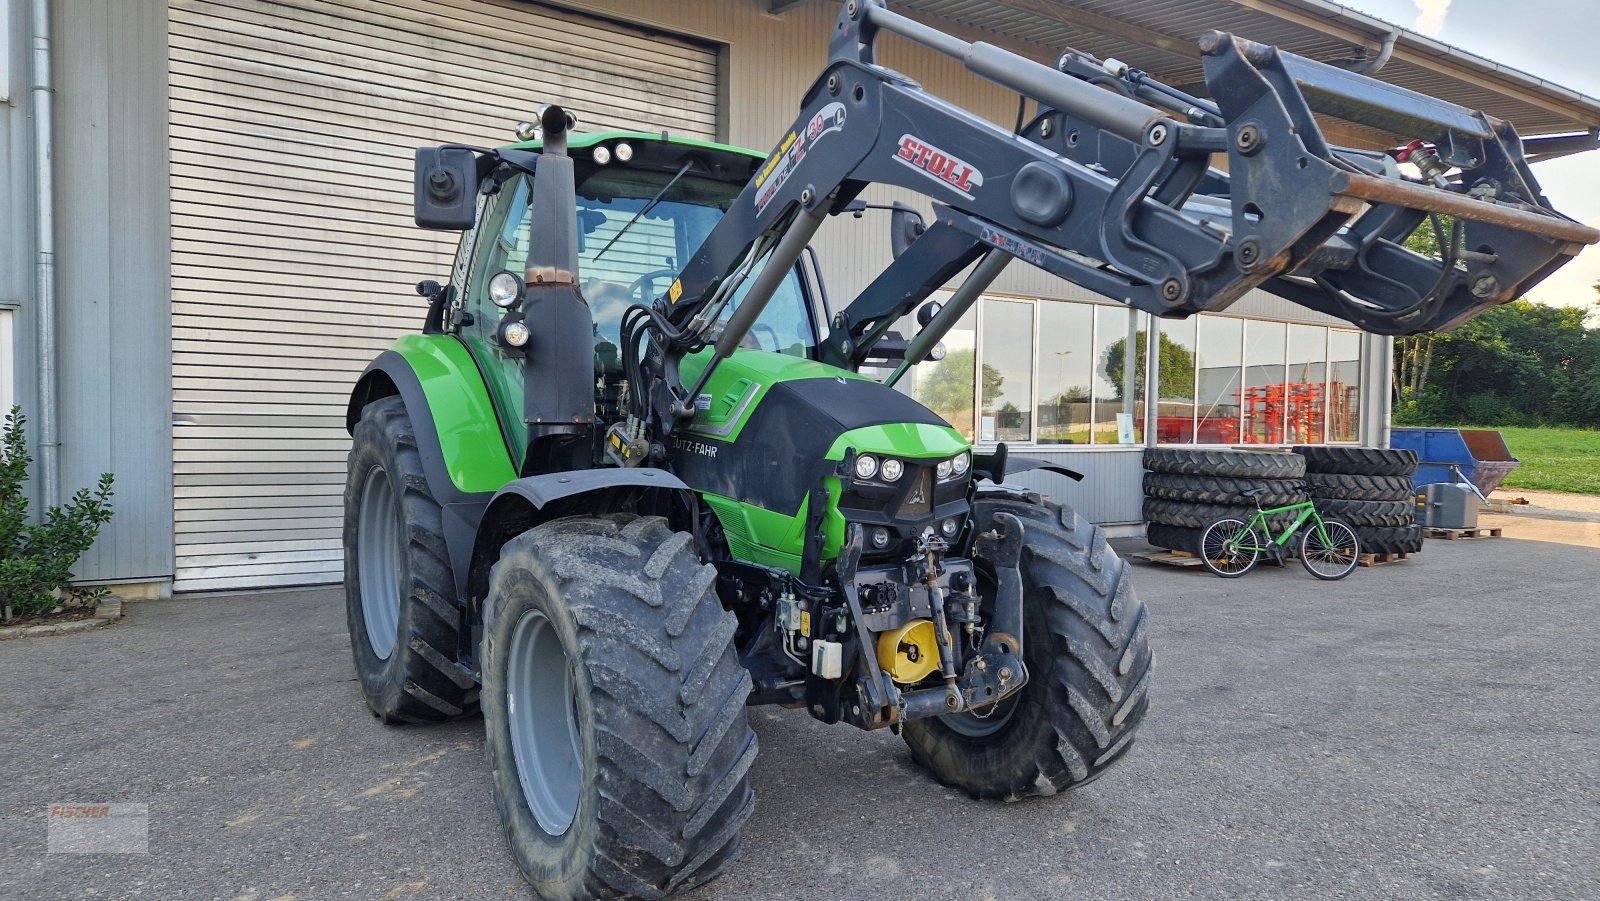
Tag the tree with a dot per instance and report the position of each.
(1177, 365)
(947, 389)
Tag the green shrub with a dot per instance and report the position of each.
(36, 559)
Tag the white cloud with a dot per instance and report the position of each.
(1430, 16)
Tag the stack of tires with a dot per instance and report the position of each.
(1187, 489)
(1368, 489)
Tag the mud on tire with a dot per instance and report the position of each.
(1231, 464)
(663, 746)
(404, 629)
(1088, 665)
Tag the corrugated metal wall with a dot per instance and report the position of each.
(294, 255)
(111, 275)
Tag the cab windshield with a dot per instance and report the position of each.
(642, 259)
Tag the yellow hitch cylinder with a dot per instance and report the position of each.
(908, 654)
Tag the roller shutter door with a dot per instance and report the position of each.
(294, 257)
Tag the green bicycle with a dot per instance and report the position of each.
(1328, 549)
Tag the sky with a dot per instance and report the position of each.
(1554, 40)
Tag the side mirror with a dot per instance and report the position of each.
(905, 227)
(446, 188)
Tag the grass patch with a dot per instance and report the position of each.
(1555, 459)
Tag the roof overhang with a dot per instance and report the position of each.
(1162, 38)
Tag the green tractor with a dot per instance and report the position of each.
(631, 478)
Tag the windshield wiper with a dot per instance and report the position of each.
(644, 209)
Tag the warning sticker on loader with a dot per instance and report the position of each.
(787, 157)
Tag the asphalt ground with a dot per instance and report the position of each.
(1427, 729)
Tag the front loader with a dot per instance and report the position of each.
(628, 481)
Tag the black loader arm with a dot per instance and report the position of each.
(1115, 190)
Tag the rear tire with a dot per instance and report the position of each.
(1364, 461)
(1344, 487)
(1201, 516)
(1385, 514)
(404, 629)
(1173, 538)
(1220, 552)
(1232, 464)
(653, 722)
(1088, 670)
(1221, 490)
(1404, 540)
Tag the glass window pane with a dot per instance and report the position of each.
(945, 386)
(1066, 368)
(1217, 379)
(1344, 385)
(1263, 381)
(1111, 361)
(1007, 371)
(1307, 386)
(1175, 379)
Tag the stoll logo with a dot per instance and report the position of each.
(951, 171)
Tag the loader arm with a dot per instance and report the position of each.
(1119, 195)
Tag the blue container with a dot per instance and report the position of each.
(1480, 454)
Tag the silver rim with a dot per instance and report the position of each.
(544, 722)
(1336, 556)
(1226, 544)
(378, 559)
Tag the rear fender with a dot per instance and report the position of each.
(457, 434)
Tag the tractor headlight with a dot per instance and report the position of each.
(880, 537)
(866, 466)
(624, 152)
(515, 333)
(602, 154)
(950, 527)
(961, 463)
(943, 469)
(892, 470)
(505, 289)
(937, 352)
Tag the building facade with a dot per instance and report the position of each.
(205, 235)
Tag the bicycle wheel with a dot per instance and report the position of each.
(1333, 559)
(1228, 547)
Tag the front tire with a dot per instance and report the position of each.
(404, 630)
(1333, 559)
(1088, 665)
(614, 710)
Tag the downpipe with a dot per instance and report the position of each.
(44, 262)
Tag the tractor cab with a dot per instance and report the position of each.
(643, 205)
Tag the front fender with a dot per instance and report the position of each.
(523, 503)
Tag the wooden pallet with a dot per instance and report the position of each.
(1380, 559)
(1461, 533)
(1169, 558)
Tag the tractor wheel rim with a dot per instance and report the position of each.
(542, 716)
(378, 561)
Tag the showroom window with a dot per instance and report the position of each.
(1256, 381)
(1056, 372)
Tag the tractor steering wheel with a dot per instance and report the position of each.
(644, 286)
